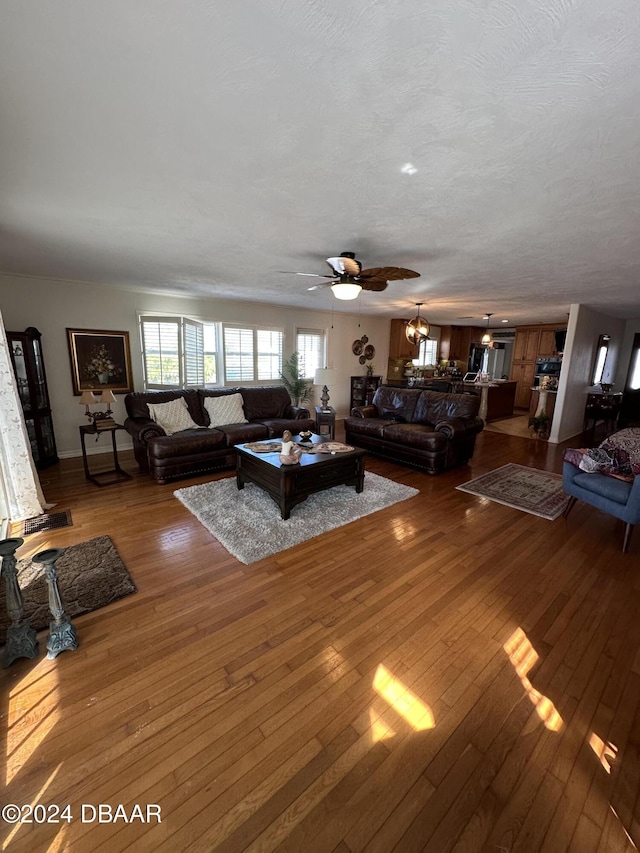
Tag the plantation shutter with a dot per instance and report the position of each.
(238, 355)
(193, 336)
(269, 354)
(161, 352)
(310, 348)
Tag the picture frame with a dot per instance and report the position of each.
(100, 361)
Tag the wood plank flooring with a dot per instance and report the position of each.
(447, 674)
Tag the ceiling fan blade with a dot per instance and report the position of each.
(318, 286)
(377, 284)
(311, 274)
(388, 273)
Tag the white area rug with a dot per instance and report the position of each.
(247, 522)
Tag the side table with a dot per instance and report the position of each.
(326, 421)
(116, 472)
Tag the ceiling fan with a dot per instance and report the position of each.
(348, 278)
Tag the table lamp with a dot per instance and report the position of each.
(323, 376)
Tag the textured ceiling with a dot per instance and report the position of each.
(201, 147)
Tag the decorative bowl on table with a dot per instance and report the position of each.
(306, 435)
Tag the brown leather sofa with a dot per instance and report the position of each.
(426, 429)
(165, 457)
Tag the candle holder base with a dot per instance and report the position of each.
(21, 643)
(61, 638)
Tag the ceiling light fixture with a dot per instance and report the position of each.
(417, 329)
(346, 290)
(486, 338)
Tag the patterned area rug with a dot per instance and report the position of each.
(248, 524)
(527, 489)
(90, 575)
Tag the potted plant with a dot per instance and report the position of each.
(298, 386)
(541, 425)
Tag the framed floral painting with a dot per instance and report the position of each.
(100, 361)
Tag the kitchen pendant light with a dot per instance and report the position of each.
(417, 329)
(486, 338)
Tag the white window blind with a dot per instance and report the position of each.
(310, 348)
(238, 355)
(251, 354)
(269, 354)
(193, 353)
(428, 353)
(161, 351)
(173, 352)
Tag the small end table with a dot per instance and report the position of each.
(326, 421)
(116, 472)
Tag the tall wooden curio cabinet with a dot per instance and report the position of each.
(28, 365)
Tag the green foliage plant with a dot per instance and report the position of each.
(299, 388)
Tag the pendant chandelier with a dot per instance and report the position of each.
(486, 338)
(417, 329)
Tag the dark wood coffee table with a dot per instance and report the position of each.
(289, 485)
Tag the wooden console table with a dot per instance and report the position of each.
(602, 407)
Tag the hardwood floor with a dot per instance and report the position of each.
(447, 674)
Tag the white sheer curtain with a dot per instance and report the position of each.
(20, 485)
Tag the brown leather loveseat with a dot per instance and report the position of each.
(427, 429)
(267, 410)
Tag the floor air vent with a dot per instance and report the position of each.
(51, 521)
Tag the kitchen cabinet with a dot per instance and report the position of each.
(531, 343)
(362, 390)
(525, 347)
(523, 374)
(547, 345)
(28, 366)
(399, 346)
(455, 341)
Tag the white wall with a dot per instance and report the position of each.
(584, 328)
(54, 306)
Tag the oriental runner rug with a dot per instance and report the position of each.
(519, 487)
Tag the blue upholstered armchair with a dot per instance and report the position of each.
(613, 496)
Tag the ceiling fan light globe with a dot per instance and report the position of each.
(345, 290)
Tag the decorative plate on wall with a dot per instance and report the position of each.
(362, 359)
(357, 347)
(369, 352)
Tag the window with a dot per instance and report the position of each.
(310, 349)
(428, 353)
(251, 354)
(601, 358)
(178, 352)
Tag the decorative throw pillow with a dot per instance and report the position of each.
(172, 416)
(226, 409)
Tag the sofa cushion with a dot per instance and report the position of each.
(240, 433)
(225, 409)
(266, 401)
(395, 404)
(276, 426)
(137, 403)
(367, 426)
(434, 406)
(173, 416)
(607, 487)
(416, 435)
(186, 443)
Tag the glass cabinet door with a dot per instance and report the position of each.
(31, 379)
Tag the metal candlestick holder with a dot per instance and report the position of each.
(21, 637)
(62, 633)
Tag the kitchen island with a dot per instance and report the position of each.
(498, 398)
